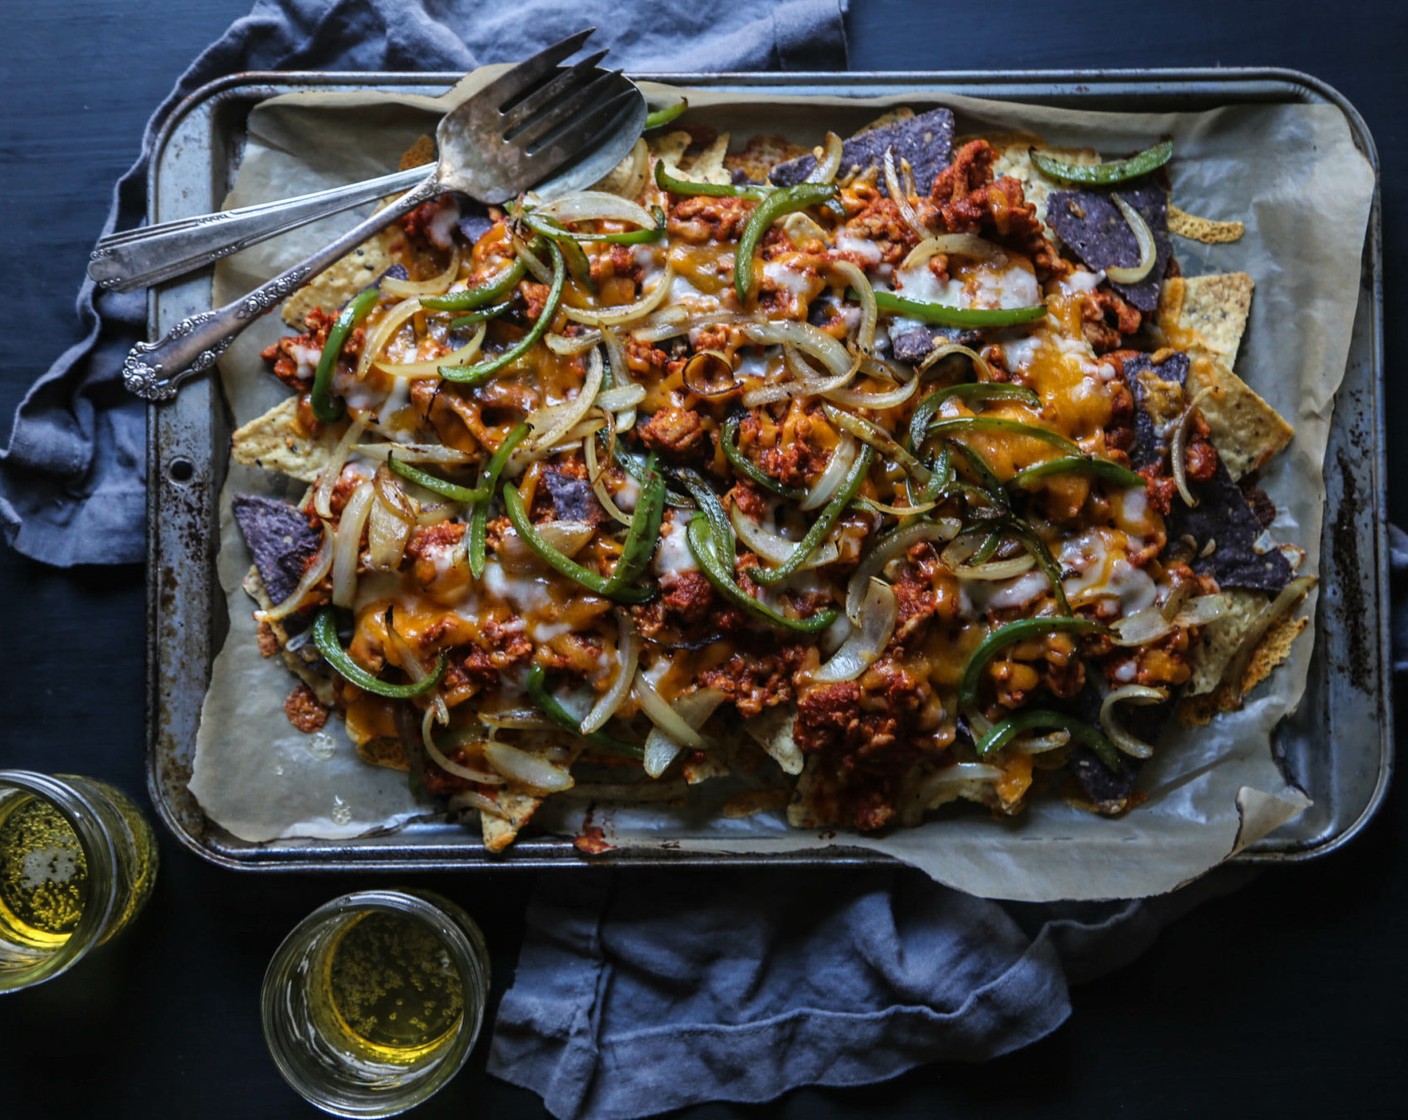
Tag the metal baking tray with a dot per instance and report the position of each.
(1337, 746)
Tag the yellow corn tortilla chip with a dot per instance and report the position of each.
(708, 165)
(1014, 159)
(1206, 230)
(276, 442)
(669, 147)
(1217, 308)
(320, 680)
(1246, 431)
(419, 154)
(1274, 648)
(517, 809)
(335, 285)
(761, 155)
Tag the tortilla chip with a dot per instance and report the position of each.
(1096, 231)
(1228, 533)
(388, 753)
(1220, 638)
(335, 285)
(1217, 308)
(759, 156)
(1206, 230)
(708, 165)
(312, 672)
(419, 154)
(517, 809)
(925, 141)
(1158, 388)
(669, 147)
(1246, 431)
(1274, 648)
(1014, 160)
(276, 442)
(279, 540)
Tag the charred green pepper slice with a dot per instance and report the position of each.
(428, 481)
(667, 182)
(728, 441)
(825, 522)
(474, 318)
(488, 292)
(320, 397)
(1102, 469)
(970, 393)
(551, 707)
(785, 201)
(325, 638)
(1004, 731)
(551, 228)
(1104, 174)
(1007, 635)
(718, 571)
(972, 318)
(642, 533)
(477, 546)
(958, 425)
(658, 118)
(481, 372)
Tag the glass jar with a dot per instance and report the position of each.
(77, 863)
(375, 1000)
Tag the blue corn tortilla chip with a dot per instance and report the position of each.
(916, 343)
(925, 140)
(1092, 225)
(572, 498)
(1149, 446)
(1226, 529)
(279, 539)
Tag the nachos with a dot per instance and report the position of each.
(871, 478)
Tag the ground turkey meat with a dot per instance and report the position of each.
(755, 682)
(676, 431)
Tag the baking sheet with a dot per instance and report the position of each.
(977, 857)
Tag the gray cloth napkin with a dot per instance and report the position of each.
(71, 481)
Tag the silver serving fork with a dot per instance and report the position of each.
(515, 132)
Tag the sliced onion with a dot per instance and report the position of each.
(828, 163)
(807, 382)
(473, 799)
(709, 374)
(800, 227)
(1203, 610)
(891, 398)
(901, 200)
(659, 712)
(865, 293)
(1040, 744)
(347, 544)
(525, 769)
(878, 615)
(376, 341)
(597, 476)
(939, 353)
(1286, 602)
(627, 653)
(1151, 623)
(435, 286)
(896, 543)
(695, 709)
(387, 536)
(312, 575)
(842, 458)
(1133, 694)
(515, 719)
(964, 772)
(628, 178)
(571, 347)
(591, 206)
(1178, 449)
(449, 765)
(567, 537)
(881, 440)
(956, 556)
(431, 366)
(878, 506)
(950, 245)
(550, 424)
(625, 312)
(773, 546)
(1148, 251)
(616, 357)
(322, 497)
(531, 261)
(621, 397)
(438, 711)
(806, 338)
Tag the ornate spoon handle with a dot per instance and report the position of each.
(155, 253)
(153, 370)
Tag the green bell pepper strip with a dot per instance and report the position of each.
(481, 372)
(634, 465)
(642, 533)
(550, 228)
(1104, 174)
(567, 241)
(325, 638)
(551, 707)
(427, 481)
(785, 201)
(1101, 469)
(822, 526)
(728, 441)
(357, 308)
(974, 318)
(970, 393)
(719, 572)
(658, 118)
(1015, 527)
(713, 509)
(987, 478)
(1004, 731)
(997, 425)
(667, 182)
(1010, 634)
(592, 581)
(488, 292)
(477, 545)
(474, 318)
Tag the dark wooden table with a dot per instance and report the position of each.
(1290, 993)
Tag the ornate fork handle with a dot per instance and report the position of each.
(156, 253)
(154, 370)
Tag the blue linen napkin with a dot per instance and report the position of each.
(71, 480)
(635, 991)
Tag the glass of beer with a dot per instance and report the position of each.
(77, 862)
(374, 1001)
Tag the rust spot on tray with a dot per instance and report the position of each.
(1354, 611)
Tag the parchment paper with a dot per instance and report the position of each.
(1290, 172)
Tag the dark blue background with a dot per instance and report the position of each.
(1291, 994)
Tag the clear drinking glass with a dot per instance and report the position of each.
(77, 862)
(374, 1001)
